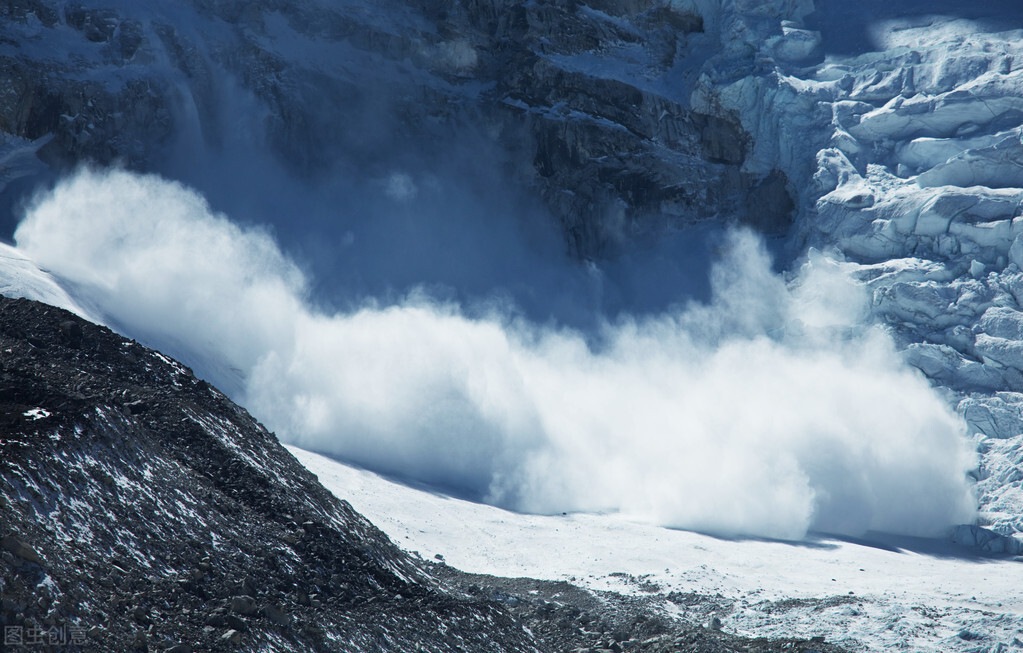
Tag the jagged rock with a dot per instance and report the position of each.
(215, 620)
(243, 605)
(276, 615)
(21, 549)
(232, 637)
(235, 623)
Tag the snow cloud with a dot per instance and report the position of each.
(769, 410)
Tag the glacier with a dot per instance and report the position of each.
(909, 167)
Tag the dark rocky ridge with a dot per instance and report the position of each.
(143, 511)
(611, 156)
(164, 514)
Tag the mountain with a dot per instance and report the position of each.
(745, 268)
(142, 510)
(374, 138)
(146, 509)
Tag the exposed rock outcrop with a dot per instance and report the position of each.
(587, 105)
(142, 509)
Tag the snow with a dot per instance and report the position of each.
(868, 595)
(904, 144)
(37, 413)
(529, 416)
(21, 277)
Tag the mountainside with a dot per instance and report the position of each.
(586, 105)
(142, 510)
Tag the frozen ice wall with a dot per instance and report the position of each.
(900, 125)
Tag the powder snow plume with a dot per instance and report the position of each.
(771, 410)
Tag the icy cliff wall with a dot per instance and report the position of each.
(908, 163)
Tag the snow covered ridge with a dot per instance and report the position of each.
(908, 161)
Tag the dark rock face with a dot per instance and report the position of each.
(583, 105)
(156, 513)
(140, 510)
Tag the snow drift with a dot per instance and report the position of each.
(770, 410)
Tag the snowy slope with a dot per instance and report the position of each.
(21, 277)
(911, 594)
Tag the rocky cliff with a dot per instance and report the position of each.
(586, 106)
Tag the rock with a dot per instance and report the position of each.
(215, 620)
(20, 549)
(235, 623)
(72, 332)
(232, 637)
(243, 605)
(276, 615)
(605, 153)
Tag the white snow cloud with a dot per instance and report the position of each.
(768, 411)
